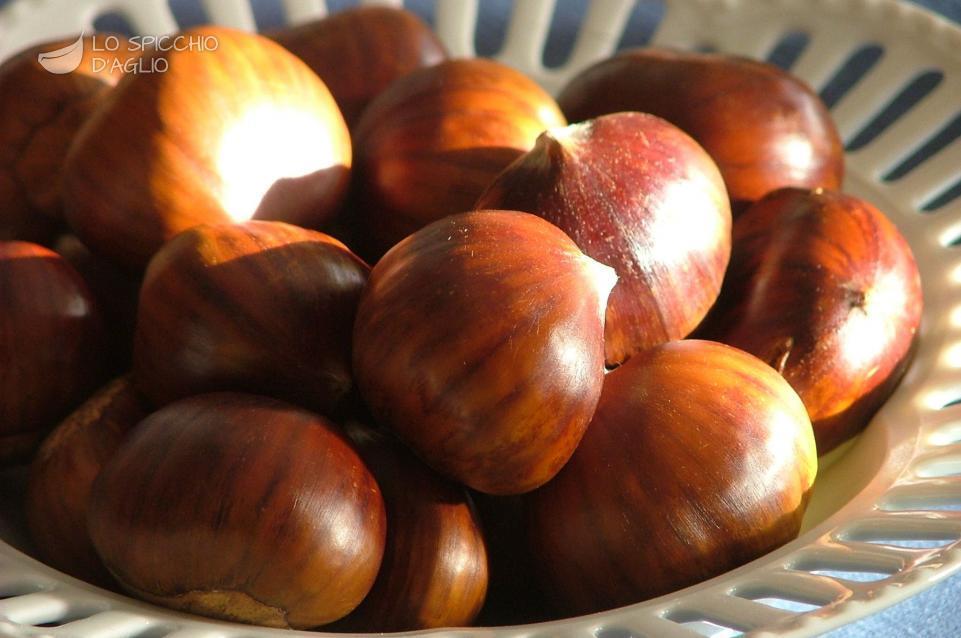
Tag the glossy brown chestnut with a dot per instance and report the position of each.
(431, 143)
(434, 572)
(764, 127)
(824, 288)
(116, 291)
(40, 112)
(479, 341)
(699, 459)
(638, 194)
(243, 508)
(358, 52)
(246, 130)
(63, 472)
(51, 345)
(261, 307)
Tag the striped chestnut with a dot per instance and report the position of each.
(479, 341)
(63, 472)
(242, 508)
(824, 288)
(638, 194)
(46, 93)
(430, 144)
(236, 129)
(262, 307)
(765, 128)
(359, 51)
(51, 345)
(699, 458)
(434, 572)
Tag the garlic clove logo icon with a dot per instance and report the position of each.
(63, 60)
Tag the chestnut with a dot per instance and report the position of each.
(764, 127)
(51, 345)
(638, 194)
(358, 52)
(63, 472)
(40, 112)
(699, 458)
(262, 307)
(432, 142)
(824, 288)
(434, 571)
(479, 341)
(247, 130)
(242, 508)
(116, 291)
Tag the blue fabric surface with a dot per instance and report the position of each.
(930, 614)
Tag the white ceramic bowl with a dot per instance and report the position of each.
(884, 521)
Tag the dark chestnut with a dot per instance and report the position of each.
(116, 291)
(638, 194)
(233, 128)
(434, 572)
(62, 473)
(699, 458)
(479, 341)
(430, 144)
(261, 307)
(51, 345)
(358, 52)
(824, 288)
(242, 508)
(41, 110)
(764, 127)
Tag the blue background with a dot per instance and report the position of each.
(934, 613)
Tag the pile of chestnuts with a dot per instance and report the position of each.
(324, 329)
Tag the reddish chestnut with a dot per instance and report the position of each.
(824, 288)
(434, 572)
(431, 143)
(479, 340)
(764, 127)
(243, 508)
(699, 458)
(636, 193)
(245, 131)
(40, 112)
(358, 52)
(262, 307)
(51, 345)
(63, 472)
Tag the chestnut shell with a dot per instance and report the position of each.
(359, 51)
(51, 345)
(479, 341)
(40, 112)
(246, 131)
(824, 288)
(261, 307)
(638, 194)
(765, 128)
(62, 473)
(429, 145)
(434, 572)
(699, 458)
(242, 508)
